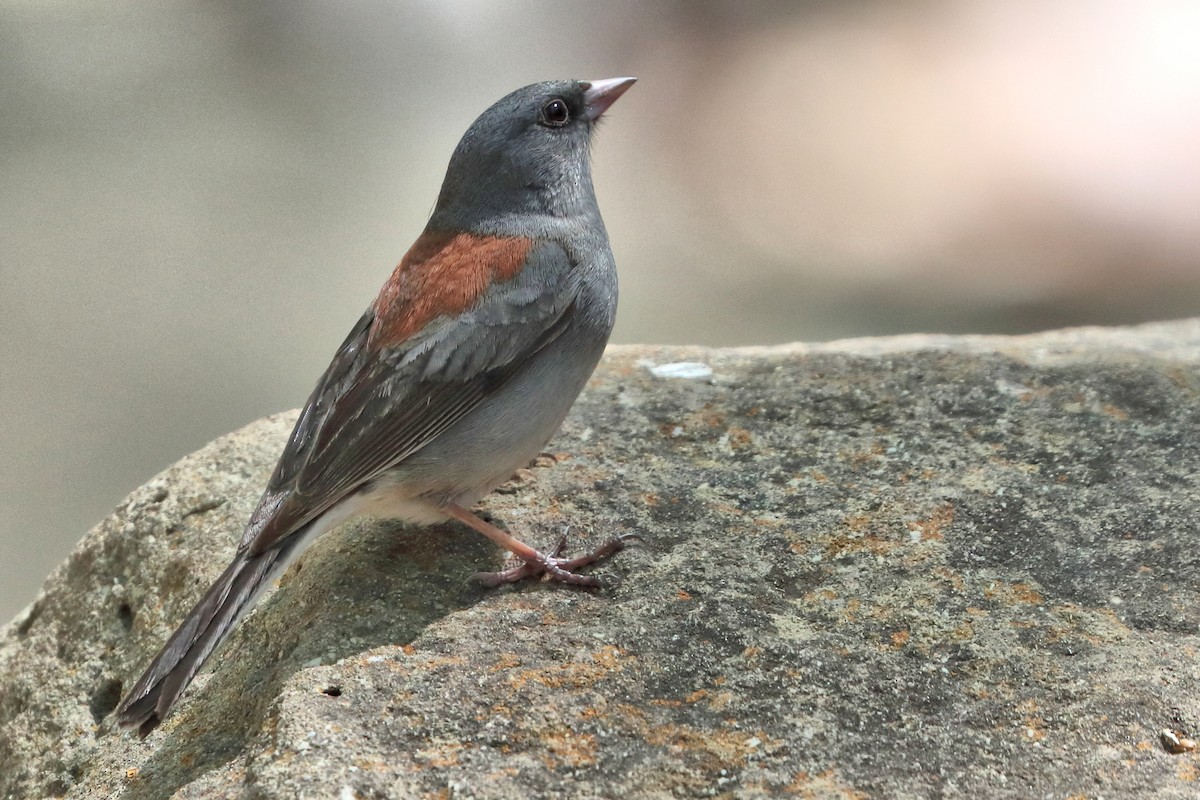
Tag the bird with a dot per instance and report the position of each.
(457, 374)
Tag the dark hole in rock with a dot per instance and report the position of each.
(125, 614)
(105, 699)
(332, 691)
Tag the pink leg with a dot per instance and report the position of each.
(535, 563)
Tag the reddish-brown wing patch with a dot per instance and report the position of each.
(443, 273)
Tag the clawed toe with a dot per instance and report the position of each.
(536, 563)
(555, 567)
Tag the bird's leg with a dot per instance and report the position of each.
(534, 562)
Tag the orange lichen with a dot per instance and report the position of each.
(506, 661)
(1016, 593)
(933, 528)
(568, 747)
(827, 784)
(574, 674)
(1114, 412)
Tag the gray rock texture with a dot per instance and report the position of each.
(916, 567)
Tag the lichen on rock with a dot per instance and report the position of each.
(882, 568)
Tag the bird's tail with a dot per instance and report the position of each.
(206, 626)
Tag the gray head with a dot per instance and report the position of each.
(527, 154)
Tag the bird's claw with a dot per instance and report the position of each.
(554, 567)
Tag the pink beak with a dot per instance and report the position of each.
(599, 95)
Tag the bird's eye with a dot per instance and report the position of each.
(555, 114)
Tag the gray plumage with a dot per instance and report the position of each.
(410, 428)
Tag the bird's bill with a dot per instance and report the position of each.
(599, 95)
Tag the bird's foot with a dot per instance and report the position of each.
(554, 567)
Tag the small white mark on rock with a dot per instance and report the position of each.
(1115, 601)
(347, 794)
(1012, 389)
(682, 370)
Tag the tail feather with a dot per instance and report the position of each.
(206, 626)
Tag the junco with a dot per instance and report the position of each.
(457, 375)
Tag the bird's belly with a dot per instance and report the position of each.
(505, 433)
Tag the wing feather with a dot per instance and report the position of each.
(374, 407)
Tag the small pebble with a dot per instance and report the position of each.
(684, 370)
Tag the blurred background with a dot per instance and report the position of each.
(197, 200)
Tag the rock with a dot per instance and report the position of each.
(925, 566)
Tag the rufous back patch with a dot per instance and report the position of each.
(443, 273)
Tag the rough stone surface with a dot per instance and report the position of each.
(918, 567)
